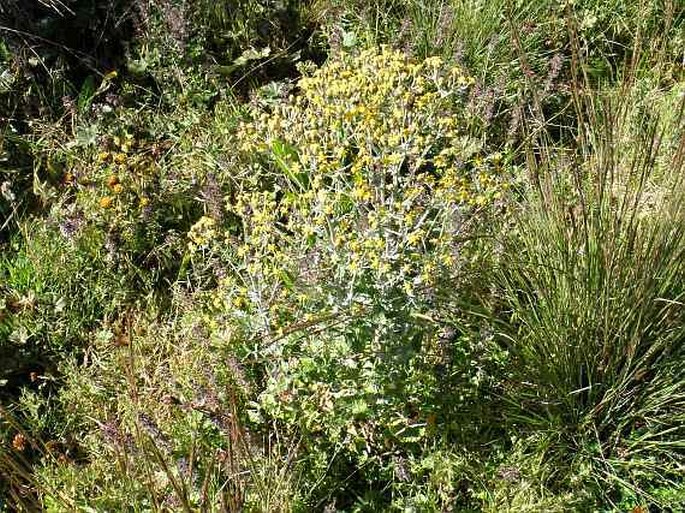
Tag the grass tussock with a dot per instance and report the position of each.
(591, 292)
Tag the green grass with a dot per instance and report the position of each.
(591, 292)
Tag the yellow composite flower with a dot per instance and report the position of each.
(112, 180)
(106, 201)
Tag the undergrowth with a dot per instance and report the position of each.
(342, 256)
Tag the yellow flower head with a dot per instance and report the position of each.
(106, 201)
(112, 180)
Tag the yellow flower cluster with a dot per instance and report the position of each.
(124, 172)
(360, 112)
(365, 175)
(202, 233)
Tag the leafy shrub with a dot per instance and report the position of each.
(190, 50)
(114, 224)
(355, 208)
(232, 28)
(52, 54)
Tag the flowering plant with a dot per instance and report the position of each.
(357, 198)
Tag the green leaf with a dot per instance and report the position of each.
(283, 154)
(86, 95)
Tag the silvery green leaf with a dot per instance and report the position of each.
(6, 80)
